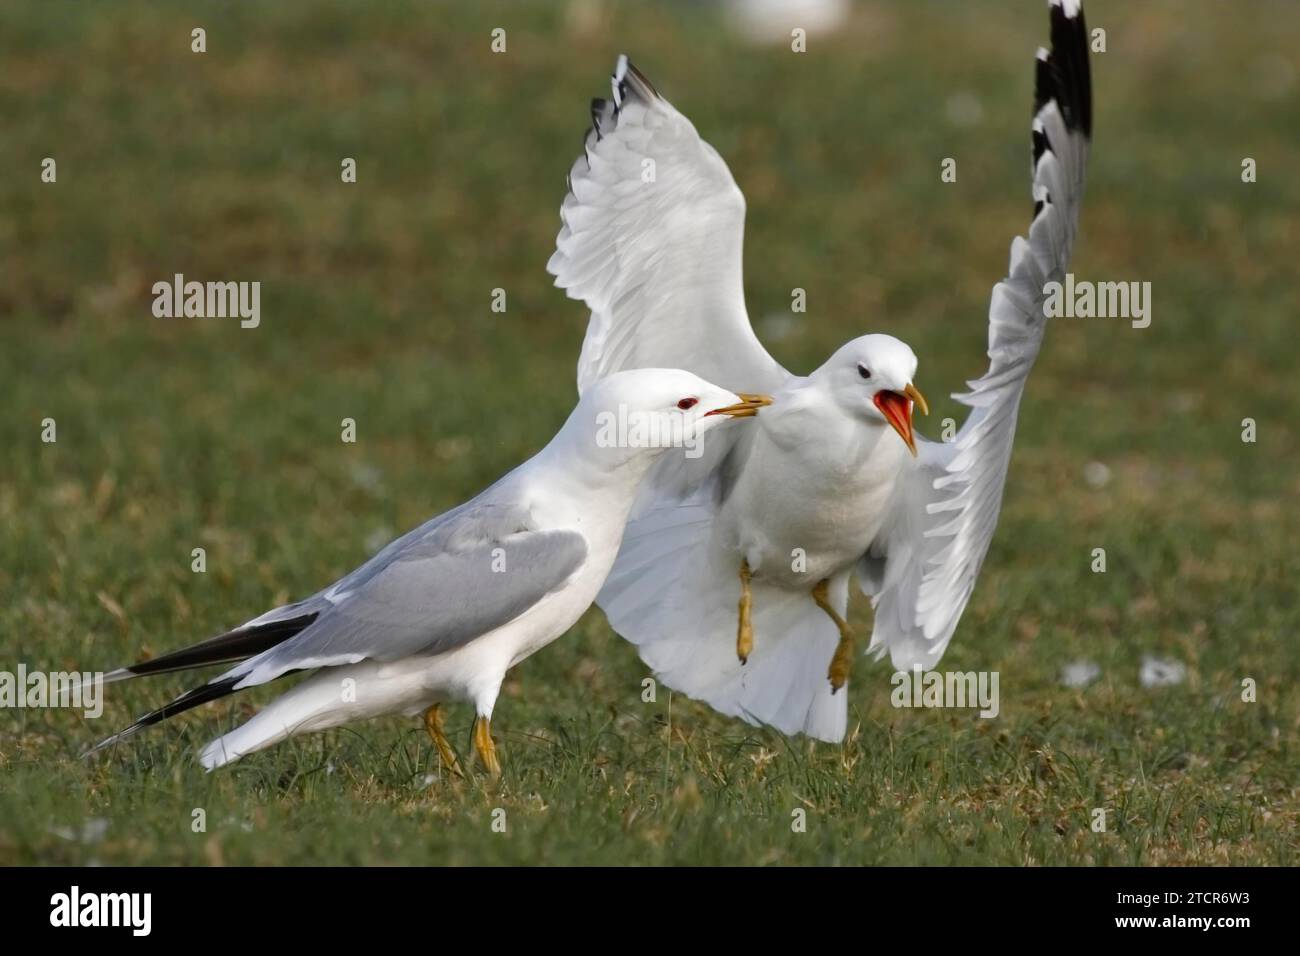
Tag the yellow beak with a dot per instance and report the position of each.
(915, 395)
(748, 405)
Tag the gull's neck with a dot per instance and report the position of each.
(575, 465)
(806, 406)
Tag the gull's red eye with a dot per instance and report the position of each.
(686, 403)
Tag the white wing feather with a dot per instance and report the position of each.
(652, 240)
(922, 567)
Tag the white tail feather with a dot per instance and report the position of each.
(316, 704)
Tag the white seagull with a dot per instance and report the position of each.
(734, 574)
(444, 611)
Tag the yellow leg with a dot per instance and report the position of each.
(745, 630)
(487, 750)
(433, 724)
(842, 662)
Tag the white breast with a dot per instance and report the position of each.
(811, 504)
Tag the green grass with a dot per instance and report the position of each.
(194, 433)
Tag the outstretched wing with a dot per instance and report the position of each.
(651, 241)
(922, 567)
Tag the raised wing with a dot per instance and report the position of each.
(922, 568)
(652, 239)
(438, 587)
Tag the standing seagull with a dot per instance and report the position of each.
(733, 577)
(444, 611)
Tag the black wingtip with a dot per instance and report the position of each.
(1041, 145)
(628, 79)
(186, 701)
(1063, 74)
(641, 79)
(236, 645)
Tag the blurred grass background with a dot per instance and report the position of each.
(176, 434)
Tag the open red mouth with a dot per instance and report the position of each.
(897, 409)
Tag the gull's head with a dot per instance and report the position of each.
(871, 378)
(639, 413)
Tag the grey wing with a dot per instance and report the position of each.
(921, 569)
(449, 581)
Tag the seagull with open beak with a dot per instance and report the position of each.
(820, 469)
(734, 575)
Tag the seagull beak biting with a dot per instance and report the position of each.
(897, 409)
(748, 405)
(915, 395)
